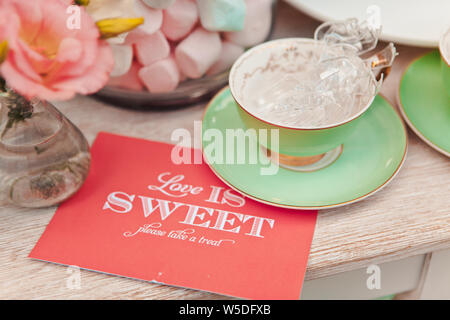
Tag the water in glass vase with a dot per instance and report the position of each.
(44, 158)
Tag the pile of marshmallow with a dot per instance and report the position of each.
(187, 39)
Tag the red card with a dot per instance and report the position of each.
(141, 216)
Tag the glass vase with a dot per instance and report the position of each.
(44, 158)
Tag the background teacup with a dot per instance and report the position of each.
(444, 49)
(266, 70)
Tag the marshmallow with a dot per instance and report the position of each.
(123, 57)
(135, 35)
(152, 48)
(161, 76)
(179, 19)
(198, 52)
(229, 53)
(119, 39)
(129, 80)
(159, 4)
(183, 77)
(256, 26)
(222, 15)
(152, 17)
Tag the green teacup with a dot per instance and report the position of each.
(307, 147)
(444, 49)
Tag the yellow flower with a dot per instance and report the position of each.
(82, 2)
(3, 50)
(110, 28)
(108, 9)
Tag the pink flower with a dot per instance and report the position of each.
(48, 60)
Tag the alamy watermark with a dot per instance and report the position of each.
(73, 281)
(234, 146)
(373, 282)
(73, 21)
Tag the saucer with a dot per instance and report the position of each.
(371, 158)
(423, 102)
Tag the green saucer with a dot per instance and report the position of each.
(371, 157)
(424, 103)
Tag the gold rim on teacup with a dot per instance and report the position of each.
(304, 164)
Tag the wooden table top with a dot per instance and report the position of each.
(410, 216)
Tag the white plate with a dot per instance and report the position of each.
(411, 22)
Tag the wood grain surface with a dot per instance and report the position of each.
(410, 216)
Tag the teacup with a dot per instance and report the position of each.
(444, 49)
(301, 148)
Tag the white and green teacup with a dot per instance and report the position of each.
(306, 148)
